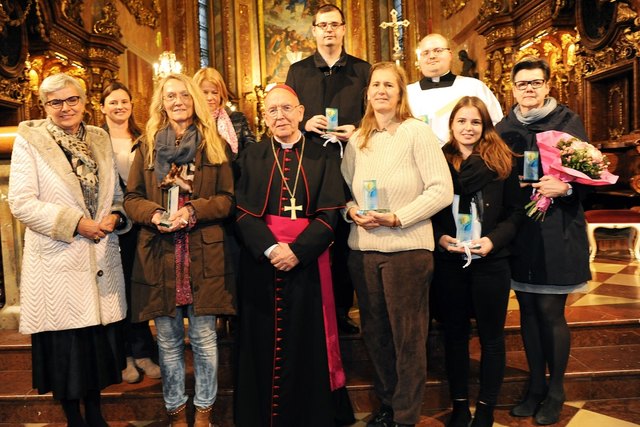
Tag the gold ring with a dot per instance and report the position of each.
(96, 239)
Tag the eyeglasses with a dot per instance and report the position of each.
(535, 84)
(173, 97)
(324, 26)
(56, 104)
(437, 51)
(286, 110)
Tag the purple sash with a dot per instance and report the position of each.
(286, 230)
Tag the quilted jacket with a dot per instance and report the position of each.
(67, 281)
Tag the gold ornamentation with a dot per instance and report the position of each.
(261, 127)
(497, 75)
(144, 15)
(624, 47)
(489, 8)
(42, 29)
(105, 54)
(72, 10)
(534, 21)
(615, 102)
(70, 44)
(292, 208)
(108, 25)
(557, 7)
(633, 38)
(625, 14)
(14, 90)
(451, 7)
(5, 19)
(500, 33)
(395, 26)
(229, 22)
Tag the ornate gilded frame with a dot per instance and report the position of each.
(285, 36)
(146, 12)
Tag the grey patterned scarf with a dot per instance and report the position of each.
(82, 162)
(536, 114)
(170, 150)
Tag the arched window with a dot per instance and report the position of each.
(397, 5)
(203, 32)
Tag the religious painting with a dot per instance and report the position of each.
(285, 35)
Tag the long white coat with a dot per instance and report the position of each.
(67, 281)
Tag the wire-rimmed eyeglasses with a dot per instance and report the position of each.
(286, 110)
(324, 26)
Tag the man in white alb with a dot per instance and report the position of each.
(432, 98)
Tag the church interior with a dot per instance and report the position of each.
(592, 46)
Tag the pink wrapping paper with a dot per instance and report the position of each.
(552, 163)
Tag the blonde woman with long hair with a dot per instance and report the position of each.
(232, 126)
(391, 260)
(180, 270)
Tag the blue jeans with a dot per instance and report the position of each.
(203, 339)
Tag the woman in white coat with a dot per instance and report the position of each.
(63, 186)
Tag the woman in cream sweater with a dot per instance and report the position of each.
(391, 262)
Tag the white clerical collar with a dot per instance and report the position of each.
(288, 145)
(437, 78)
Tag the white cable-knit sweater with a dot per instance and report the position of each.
(413, 181)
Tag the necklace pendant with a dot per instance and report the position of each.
(293, 208)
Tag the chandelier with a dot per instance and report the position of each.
(166, 64)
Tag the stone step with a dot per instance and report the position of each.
(583, 334)
(604, 364)
(603, 372)
(15, 348)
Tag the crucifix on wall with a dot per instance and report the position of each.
(395, 26)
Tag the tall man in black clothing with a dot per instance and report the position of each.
(331, 78)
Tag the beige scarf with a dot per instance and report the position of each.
(82, 162)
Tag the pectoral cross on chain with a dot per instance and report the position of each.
(395, 24)
(293, 208)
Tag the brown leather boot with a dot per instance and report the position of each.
(178, 418)
(204, 417)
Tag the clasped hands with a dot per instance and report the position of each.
(94, 230)
(449, 243)
(179, 220)
(319, 123)
(283, 258)
(373, 219)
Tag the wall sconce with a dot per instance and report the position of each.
(166, 64)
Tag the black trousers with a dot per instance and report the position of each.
(482, 290)
(139, 342)
(342, 286)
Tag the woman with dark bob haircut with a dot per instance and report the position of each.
(543, 250)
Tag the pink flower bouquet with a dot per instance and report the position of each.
(570, 160)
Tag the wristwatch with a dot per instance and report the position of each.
(569, 191)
